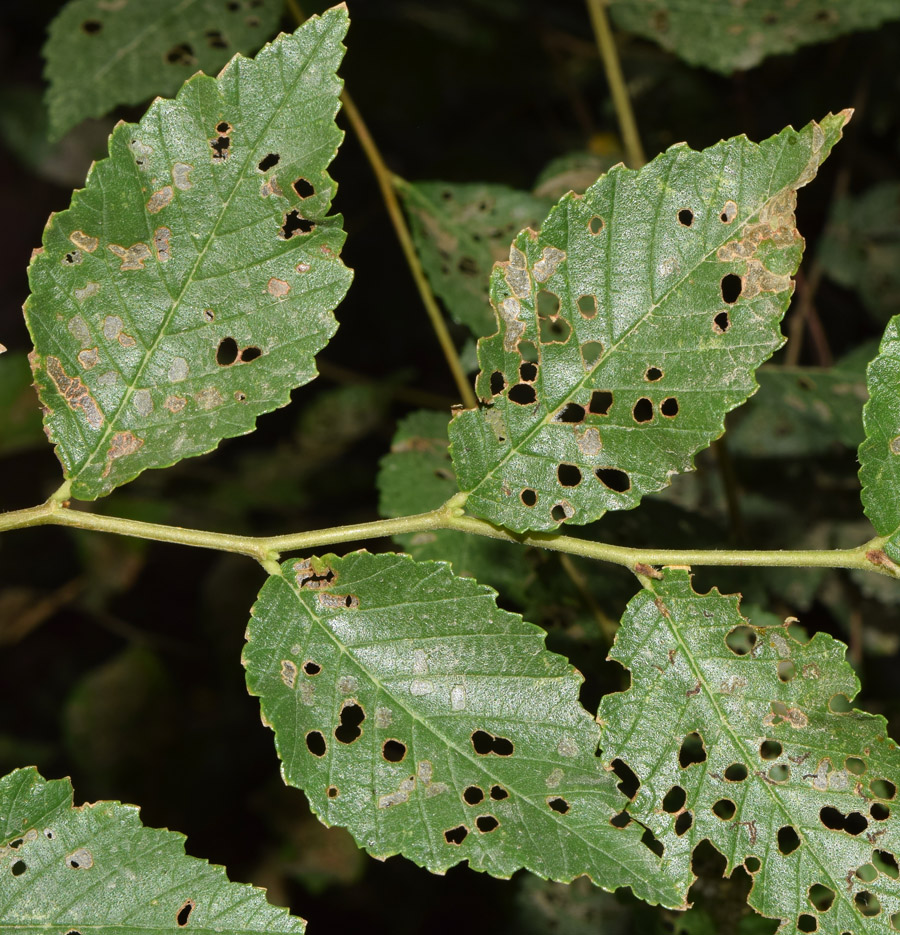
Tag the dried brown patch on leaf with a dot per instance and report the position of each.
(83, 241)
(121, 445)
(74, 392)
(159, 200)
(132, 257)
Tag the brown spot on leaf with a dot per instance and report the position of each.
(159, 200)
(74, 392)
(121, 444)
(175, 403)
(132, 257)
(89, 357)
(277, 287)
(270, 187)
(288, 672)
(83, 241)
(161, 238)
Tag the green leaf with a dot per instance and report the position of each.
(97, 868)
(726, 36)
(430, 723)
(630, 325)
(417, 476)
(460, 231)
(20, 416)
(801, 411)
(732, 732)
(187, 289)
(860, 247)
(879, 454)
(101, 54)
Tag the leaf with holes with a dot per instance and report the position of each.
(101, 54)
(800, 411)
(189, 286)
(416, 713)
(417, 476)
(879, 454)
(736, 735)
(860, 247)
(727, 36)
(630, 325)
(97, 868)
(459, 232)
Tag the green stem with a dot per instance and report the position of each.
(634, 152)
(266, 549)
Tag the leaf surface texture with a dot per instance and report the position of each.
(630, 325)
(96, 868)
(460, 231)
(732, 732)
(101, 54)
(190, 284)
(430, 723)
(879, 454)
(726, 36)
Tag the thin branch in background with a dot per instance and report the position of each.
(606, 624)
(385, 179)
(634, 152)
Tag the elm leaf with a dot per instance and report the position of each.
(459, 232)
(734, 733)
(189, 286)
(630, 325)
(879, 454)
(101, 54)
(726, 36)
(428, 722)
(97, 868)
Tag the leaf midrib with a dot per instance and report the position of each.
(149, 353)
(739, 745)
(449, 745)
(514, 449)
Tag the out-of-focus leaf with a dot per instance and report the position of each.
(573, 172)
(20, 414)
(879, 454)
(460, 231)
(118, 718)
(100, 54)
(860, 247)
(732, 733)
(630, 325)
(417, 476)
(801, 411)
(96, 868)
(727, 36)
(416, 713)
(190, 284)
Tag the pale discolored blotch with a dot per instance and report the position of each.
(89, 357)
(181, 176)
(86, 291)
(161, 199)
(83, 241)
(132, 257)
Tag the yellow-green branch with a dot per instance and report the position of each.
(385, 179)
(631, 140)
(267, 550)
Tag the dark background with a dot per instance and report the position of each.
(121, 660)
